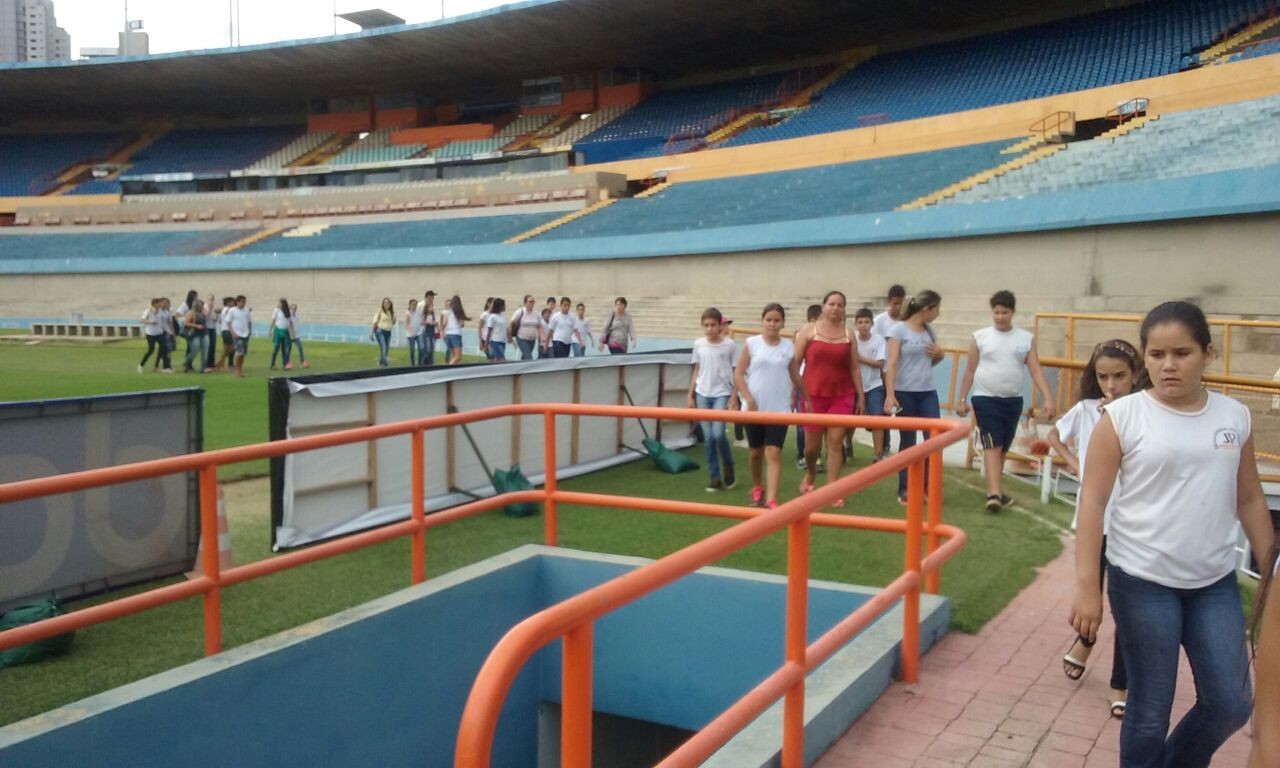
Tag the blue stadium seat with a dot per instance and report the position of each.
(830, 190)
(1103, 48)
(210, 150)
(689, 112)
(42, 245)
(29, 163)
(425, 233)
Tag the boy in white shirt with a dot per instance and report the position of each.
(581, 332)
(241, 326)
(562, 327)
(711, 386)
(892, 313)
(871, 357)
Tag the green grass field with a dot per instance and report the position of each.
(1000, 559)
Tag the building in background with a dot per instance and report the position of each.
(30, 32)
(132, 43)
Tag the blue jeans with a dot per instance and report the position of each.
(578, 350)
(559, 349)
(427, 348)
(414, 345)
(1153, 621)
(713, 436)
(526, 347)
(497, 350)
(923, 404)
(384, 345)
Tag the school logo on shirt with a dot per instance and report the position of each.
(1227, 439)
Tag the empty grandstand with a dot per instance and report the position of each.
(1202, 141)
(810, 193)
(757, 130)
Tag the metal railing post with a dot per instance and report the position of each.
(933, 580)
(417, 494)
(1071, 355)
(796, 641)
(575, 698)
(549, 483)
(1226, 351)
(911, 600)
(209, 558)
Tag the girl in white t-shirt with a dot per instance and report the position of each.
(766, 376)
(1114, 370)
(454, 318)
(711, 386)
(494, 331)
(1185, 460)
(484, 323)
(413, 331)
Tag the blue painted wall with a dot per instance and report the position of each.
(387, 688)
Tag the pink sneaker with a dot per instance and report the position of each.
(757, 496)
(305, 364)
(771, 504)
(288, 366)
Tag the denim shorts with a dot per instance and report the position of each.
(997, 420)
(875, 402)
(497, 350)
(453, 341)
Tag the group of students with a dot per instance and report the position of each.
(558, 330)
(1168, 472)
(825, 369)
(200, 322)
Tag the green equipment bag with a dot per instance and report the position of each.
(40, 650)
(669, 461)
(507, 480)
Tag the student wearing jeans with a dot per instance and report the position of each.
(494, 332)
(871, 355)
(427, 339)
(413, 332)
(562, 328)
(1188, 474)
(711, 386)
(911, 352)
(581, 332)
(527, 327)
(383, 321)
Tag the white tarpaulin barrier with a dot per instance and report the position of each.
(321, 494)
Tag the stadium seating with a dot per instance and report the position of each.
(1181, 144)
(109, 244)
(468, 147)
(96, 187)
(593, 122)
(829, 190)
(1264, 48)
(293, 150)
(425, 233)
(1104, 48)
(29, 163)
(523, 125)
(689, 112)
(376, 147)
(209, 150)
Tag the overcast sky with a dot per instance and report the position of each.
(185, 25)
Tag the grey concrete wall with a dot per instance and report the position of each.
(1227, 263)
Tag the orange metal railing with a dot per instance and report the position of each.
(572, 619)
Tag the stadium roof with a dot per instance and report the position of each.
(480, 56)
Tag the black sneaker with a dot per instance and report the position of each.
(993, 504)
(729, 479)
(715, 485)
(1005, 500)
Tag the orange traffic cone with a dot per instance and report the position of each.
(224, 542)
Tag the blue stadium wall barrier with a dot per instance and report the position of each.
(1226, 193)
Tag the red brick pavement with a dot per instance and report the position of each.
(999, 699)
